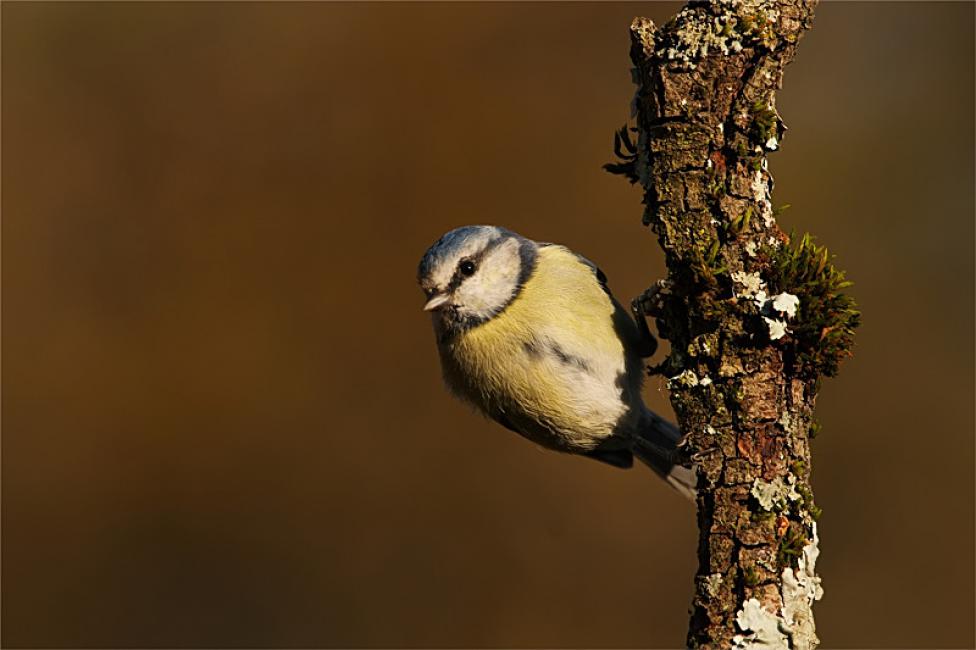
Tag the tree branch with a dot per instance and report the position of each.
(755, 320)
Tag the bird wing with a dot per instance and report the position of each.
(622, 458)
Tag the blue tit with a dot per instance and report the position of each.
(530, 334)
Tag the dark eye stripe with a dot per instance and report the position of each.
(475, 261)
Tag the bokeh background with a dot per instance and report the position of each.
(223, 420)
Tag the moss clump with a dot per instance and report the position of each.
(764, 123)
(823, 329)
(705, 261)
(806, 497)
(791, 545)
(741, 222)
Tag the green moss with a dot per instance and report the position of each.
(740, 223)
(791, 545)
(764, 123)
(799, 468)
(705, 259)
(712, 254)
(823, 329)
(806, 496)
(750, 577)
(716, 188)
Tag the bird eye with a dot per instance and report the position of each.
(467, 267)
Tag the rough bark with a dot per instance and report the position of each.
(754, 320)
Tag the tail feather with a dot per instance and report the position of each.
(657, 447)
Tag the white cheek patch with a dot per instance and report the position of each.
(495, 281)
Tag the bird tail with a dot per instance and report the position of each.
(657, 447)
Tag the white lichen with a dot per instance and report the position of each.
(786, 304)
(695, 36)
(760, 192)
(777, 328)
(726, 27)
(644, 29)
(751, 248)
(766, 212)
(772, 143)
(795, 629)
(686, 379)
(788, 421)
(776, 311)
(760, 628)
(759, 186)
(713, 583)
(775, 495)
(751, 285)
(801, 588)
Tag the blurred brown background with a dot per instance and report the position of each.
(223, 421)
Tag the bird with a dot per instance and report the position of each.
(529, 334)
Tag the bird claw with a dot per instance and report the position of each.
(639, 307)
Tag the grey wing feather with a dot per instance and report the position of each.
(657, 447)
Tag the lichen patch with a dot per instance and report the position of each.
(712, 584)
(785, 303)
(749, 285)
(723, 27)
(777, 328)
(760, 628)
(775, 495)
(801, 588)
(686, 379)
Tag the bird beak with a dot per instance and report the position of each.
(435, 302)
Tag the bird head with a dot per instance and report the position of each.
(472, 273)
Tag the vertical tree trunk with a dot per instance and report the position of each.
(754, 319)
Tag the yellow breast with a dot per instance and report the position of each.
(556, 362)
